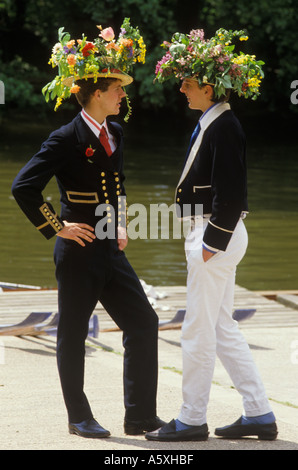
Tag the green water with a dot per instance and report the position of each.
(153, 162)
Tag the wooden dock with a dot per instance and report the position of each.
(16, 305)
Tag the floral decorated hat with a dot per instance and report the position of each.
(211, 61)
(103, 57)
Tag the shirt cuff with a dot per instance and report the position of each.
(209, 248)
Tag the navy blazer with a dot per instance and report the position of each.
(83, 182)
(217, 179)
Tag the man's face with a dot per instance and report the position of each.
(195, 95)
(110, 100)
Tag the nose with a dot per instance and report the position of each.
(182, 88)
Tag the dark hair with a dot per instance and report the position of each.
(88, 87)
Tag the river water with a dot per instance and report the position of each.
(153, 161)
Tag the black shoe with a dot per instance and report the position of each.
(139, 427)
(169, 433)
(88, 428)
(238, 430)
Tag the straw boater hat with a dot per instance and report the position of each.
(211, 62)
(104, 57)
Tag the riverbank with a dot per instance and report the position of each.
(33, 415)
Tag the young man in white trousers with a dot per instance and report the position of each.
(214, 176)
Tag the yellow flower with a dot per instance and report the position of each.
(243, 38)
(141, 57)
(58, 103)
(254, 82)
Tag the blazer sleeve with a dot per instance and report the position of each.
(228, 183)
(30, 182)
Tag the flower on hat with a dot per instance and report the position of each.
(81, 58)
(107, 34)
(75, 89)
(211, 61)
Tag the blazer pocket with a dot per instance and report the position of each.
(198, 188)
(82, 197)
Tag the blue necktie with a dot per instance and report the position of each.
(192, 140)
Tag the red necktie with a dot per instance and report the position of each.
(104, 140)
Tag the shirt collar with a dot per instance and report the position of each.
(92, 124)
(207, 110)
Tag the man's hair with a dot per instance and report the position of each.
(88, 88)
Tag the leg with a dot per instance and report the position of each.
(77, 297)
(206, 291)
(198, 339)
(234, 353)
(125, 300)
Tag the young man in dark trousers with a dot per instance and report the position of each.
(86, 157)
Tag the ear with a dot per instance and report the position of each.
(209, 91)
(97, 94)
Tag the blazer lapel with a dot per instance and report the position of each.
(87, 138)
(205, 122)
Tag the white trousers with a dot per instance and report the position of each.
(209, 329)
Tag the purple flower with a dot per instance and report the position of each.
(72, 50)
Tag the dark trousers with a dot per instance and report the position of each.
(100, 272)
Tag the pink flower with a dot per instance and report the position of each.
(107, 34)
(163, 60)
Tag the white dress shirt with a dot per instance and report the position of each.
(96, 128)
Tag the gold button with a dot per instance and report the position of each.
(116, 179)
(103, 174)
(107, 201)
(117, 192)
(103, 181)
(118, 186)
(179, 190)
(116, 173)
(104, 188)
(178, 200)
(108, 208)
(105, 194)
(109, 221)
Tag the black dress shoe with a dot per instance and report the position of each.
(88, 428)
(169, 433)
(238, 430)
(134, 428)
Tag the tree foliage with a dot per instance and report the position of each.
(28, 30)
(272, 28)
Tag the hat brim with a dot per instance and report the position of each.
(123, 77)
(194, 78)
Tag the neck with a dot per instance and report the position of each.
(207, 106)
(96, 114)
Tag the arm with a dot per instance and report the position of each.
(228, 181)
(30, 182)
